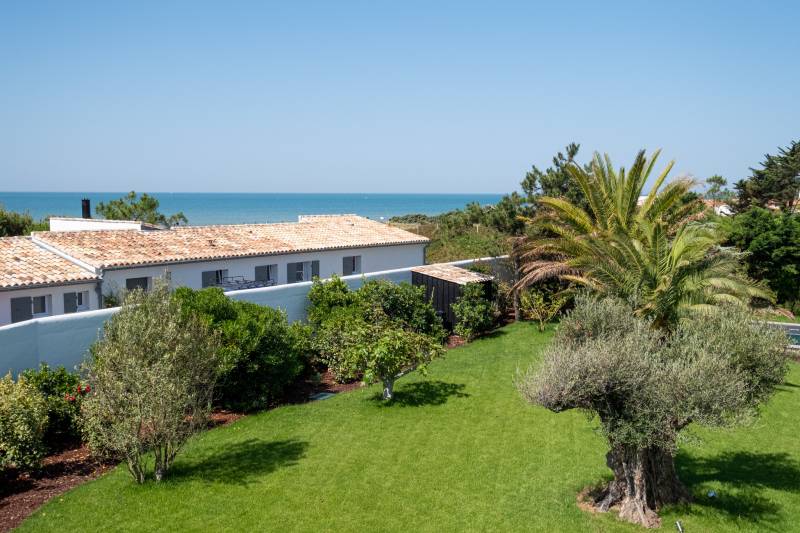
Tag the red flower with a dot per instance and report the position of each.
(87, 389)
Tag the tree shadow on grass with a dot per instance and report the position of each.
(422, 393)
(240, 463)
(745, 475)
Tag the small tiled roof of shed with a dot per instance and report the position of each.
(452, 273)
(124, 248)
(24, 264)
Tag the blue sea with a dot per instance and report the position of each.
(240, 208)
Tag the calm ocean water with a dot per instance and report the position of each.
(237, 208)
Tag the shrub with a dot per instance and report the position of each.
(325, 296)
(63, 394)
(474, 313)
(260, 353)
(23, 419)
(152, 376)
(402, 303)
(540, 306)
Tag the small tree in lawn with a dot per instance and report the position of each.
(152, 377)
(536, 306)
(379, 349)
(646, 386)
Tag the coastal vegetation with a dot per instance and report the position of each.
(143, 208)
(13, 224)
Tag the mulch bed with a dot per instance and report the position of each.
(22, 494)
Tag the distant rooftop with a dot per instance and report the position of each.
(124, 248)
(24, 264)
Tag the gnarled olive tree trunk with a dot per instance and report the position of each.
(644, 481)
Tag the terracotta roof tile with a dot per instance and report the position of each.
(122, 248)
(25, 264)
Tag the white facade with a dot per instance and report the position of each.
(53, 299)
(190, 274)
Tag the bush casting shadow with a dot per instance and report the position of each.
(422, 393)
(746, 475)
(239, 463)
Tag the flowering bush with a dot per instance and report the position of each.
(23, 418)
(63, 394)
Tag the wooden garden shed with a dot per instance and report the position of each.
(444, 283)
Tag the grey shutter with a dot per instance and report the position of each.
(291, 272)
(357, 264)
(70, 302)
(347, 266)
(21, 309)
(262, 273)
(209, 278)
(273, 273)
(314, 269)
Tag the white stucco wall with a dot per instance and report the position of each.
(91, 224)
(65, 339)
(57, 298)
(373, 259)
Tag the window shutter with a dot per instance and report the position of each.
(209, 278)
(314, 269)
(357, 264)
(21, 309)
(70, 302)
(291, 272)
(273, 273)
(262, 273)
(347, 266)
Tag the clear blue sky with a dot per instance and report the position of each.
(384, 96)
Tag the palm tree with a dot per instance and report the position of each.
(651, 252)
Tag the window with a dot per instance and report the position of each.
(21, 309)
(267, 274)
(39, 305)
(211, 278)
(137, 283)
(76, 301)
(304, 271)
(351, 265)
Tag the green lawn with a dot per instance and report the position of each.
(459, 451)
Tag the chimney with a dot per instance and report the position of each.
(86, 208)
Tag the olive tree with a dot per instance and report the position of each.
(645, 386)
(152, 376)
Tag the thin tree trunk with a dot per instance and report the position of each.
(644, 481)
(388, 389)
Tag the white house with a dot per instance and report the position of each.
(107, 261)
(35, 282)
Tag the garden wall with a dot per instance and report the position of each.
(65, 339)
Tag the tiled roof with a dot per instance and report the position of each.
(24, 264)
(111, 248)
(452, 273)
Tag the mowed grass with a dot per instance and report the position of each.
(458, 451)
